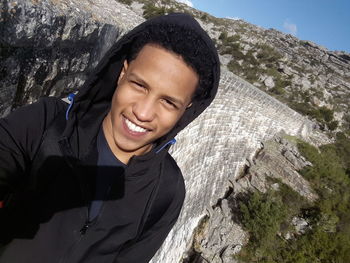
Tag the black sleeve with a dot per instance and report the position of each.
(150, 241)
(20, 136)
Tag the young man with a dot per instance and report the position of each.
(93, 181)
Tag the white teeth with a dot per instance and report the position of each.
(133, 127)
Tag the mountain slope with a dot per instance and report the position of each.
(307, 77)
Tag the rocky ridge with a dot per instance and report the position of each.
(320, 76)
(300, 73)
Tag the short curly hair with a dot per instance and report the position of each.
(184, 42)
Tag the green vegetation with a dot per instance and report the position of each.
(267, 216)
(204, 17)
(150, 10)
(342, 148)
(280, 82)
(322, 114)
(234, 67)
(268, 55)
(228, 40)
(125, 2)
(250, 66)
(230, 45)
(303, 43)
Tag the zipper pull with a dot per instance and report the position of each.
(85, 227)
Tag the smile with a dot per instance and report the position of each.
(133, 127)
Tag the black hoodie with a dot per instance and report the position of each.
(47, 158)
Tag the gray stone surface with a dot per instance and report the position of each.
(49, 47)
(280, 159)
(221, 237)
(305, 66)
(219, 234)
(269, 83)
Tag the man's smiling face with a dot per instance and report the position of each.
(153, 92)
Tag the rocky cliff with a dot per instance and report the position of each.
(296, 72)
(49, 47)
(219, 234)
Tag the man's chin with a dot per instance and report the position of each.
(136, 149)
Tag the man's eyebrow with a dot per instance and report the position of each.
(139, 79)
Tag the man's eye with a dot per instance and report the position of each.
(170, 103)
(137, 84)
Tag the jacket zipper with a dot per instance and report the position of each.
(87, 223)
(85, 227)
(94, 221)
(83, 230)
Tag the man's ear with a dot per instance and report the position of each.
(123, 71)
(189, 105)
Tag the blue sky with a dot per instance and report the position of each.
(324, 22)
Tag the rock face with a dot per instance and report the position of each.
(49, 47)
(219, 234)
(299, 71)
(218, 237)
(279, 159)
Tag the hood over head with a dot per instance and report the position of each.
(93, 101)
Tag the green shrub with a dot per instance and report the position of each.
(327, 239)
(262, 216)
(249, 58)
(223, 36)
(326, 114)
(230, 46)
(251, 74)
(227, 40)
(322, 114)
(333, 125)
(303, 108)
(204, 17)
(125, 2)
(329, 176)
(267, 54)
(150, 10)
(234, 67)
(280, 81)
(233, 49)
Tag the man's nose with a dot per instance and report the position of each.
(144, 109)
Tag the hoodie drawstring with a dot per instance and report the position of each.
(71, 99)
(171, 142)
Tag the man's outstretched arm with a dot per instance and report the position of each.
(20, 137)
